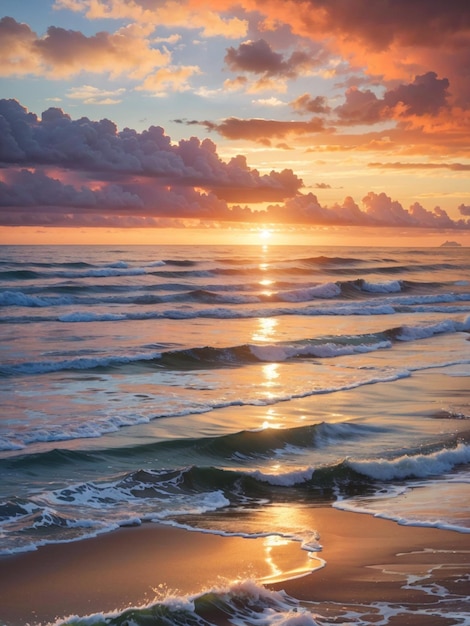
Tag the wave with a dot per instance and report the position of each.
(97, 427)
(240, 447)
(184, 496)
(207, 356)
(84, 272)
(413, 333)
(18, 298)
(337, 309)
(224, 313)
(244, 268)
(238, 295)
(89, 296)
(255, 271)
(88, 292)
(79, 363)
(260, 445)
(243, 602)
(414, 465)
(391, 286)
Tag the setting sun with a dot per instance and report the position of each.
(265, 234)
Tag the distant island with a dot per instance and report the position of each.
(451, 244)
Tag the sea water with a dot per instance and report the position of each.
(176, 384)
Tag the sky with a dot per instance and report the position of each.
(331, 122)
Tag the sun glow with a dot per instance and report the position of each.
(265, 234)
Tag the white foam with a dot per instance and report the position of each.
(246, 602)
(156, 264)
(327, 290)
(86, 316)
(413, 466)
(10, 443)
(418, 503)
(200, 504)
(80, 363)
(391, 286)
(327, 434)
(18, 298)
(326, 350)
(103, 272)
(339, 308)
(429, 299)
(285, 479)
(413, 333)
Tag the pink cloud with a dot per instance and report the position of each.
(59, 171)
(426, 95)
(307, 104)
(99, 149)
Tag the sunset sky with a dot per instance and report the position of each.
(194, 121)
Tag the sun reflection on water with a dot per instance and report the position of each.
(266, 329)
(289, 553)
(270, 542)
(270, 373)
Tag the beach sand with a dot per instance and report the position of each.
(367, 560)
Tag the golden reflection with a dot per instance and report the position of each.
(271, 421)
(270, 373)
(287, 558)
(273, 541)
(266, 329)
(265, 283)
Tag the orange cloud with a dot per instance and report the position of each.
(198, 15)
(392, 39)
(63, 53)
(455, 167)
(263, 130)
(373, 34)
(16, 49)
(306, 104)
(169, 78)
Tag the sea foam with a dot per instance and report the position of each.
(413, 466)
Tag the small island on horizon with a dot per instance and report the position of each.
(450, 244)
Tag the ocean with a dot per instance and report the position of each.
(214, 387)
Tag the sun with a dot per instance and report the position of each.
(265, 234)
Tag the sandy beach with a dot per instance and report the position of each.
(367, 560)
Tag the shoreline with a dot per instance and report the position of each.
(368, 560)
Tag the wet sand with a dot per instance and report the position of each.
(367, 560)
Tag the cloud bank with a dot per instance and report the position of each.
(58, 171)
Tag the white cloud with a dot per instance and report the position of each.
(92, 95)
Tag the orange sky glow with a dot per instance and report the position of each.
(280, 122)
